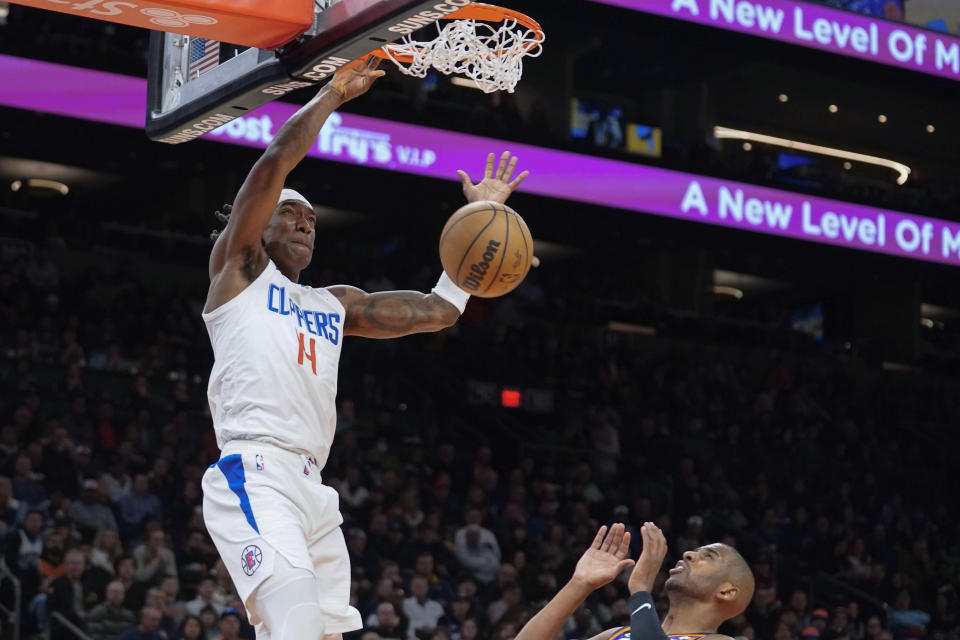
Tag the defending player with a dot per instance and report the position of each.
(707, 587)
(274, 380)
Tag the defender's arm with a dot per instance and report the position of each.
(644, 621)
(603, 561)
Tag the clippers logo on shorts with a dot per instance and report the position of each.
(624, 634)
(259, 459)
(251, 559)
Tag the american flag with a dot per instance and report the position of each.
(204, 56)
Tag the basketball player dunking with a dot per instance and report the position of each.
(277, 345)
(707, 587)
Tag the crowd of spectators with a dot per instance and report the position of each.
(462, 520)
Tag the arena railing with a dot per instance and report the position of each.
(69, 626)
(12, 613)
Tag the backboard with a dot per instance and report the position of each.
(198, 84)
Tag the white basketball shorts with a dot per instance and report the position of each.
(260, 500)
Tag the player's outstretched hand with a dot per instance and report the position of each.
(355, 78)
(495, 186)
(606, 558)
(651, 558)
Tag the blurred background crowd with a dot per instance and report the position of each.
(463, 519)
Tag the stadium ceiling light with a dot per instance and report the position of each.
(833, 108)
(931, 128)
(882, 119)
(40, 183)
(898, 367)
(747, 146)
(938, 313)
(724, 290)
(463, 82)
(725, 133)
(631, 328)
(784, 97)
(48, 185)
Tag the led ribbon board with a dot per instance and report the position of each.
(393, 146)
(822, 28)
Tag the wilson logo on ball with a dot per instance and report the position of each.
(479, 269)
(486, 248)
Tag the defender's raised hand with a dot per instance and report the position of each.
(355, 78)
(651, 558)
(495, 186)
(605, 559)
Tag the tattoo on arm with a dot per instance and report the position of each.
(392, 314)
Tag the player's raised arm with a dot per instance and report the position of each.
(600, 564)
(239, 243)
(645, 572)
(644, 620)
(496, 185)
(392, 314)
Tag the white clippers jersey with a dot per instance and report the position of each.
(276, 349)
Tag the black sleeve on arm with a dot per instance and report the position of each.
(644, 623)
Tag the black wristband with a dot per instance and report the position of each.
(644, 622)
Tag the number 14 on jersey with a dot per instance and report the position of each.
(308, 351)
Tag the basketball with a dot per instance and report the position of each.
(486, 248)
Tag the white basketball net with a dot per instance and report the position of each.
(491, 57)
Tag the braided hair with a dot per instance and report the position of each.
(223, 215)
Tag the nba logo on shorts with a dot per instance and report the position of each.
(259, 460)
(251, 559)
(306, 468)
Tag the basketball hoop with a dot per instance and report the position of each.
(490, 56)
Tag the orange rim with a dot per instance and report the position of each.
(485, 13)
